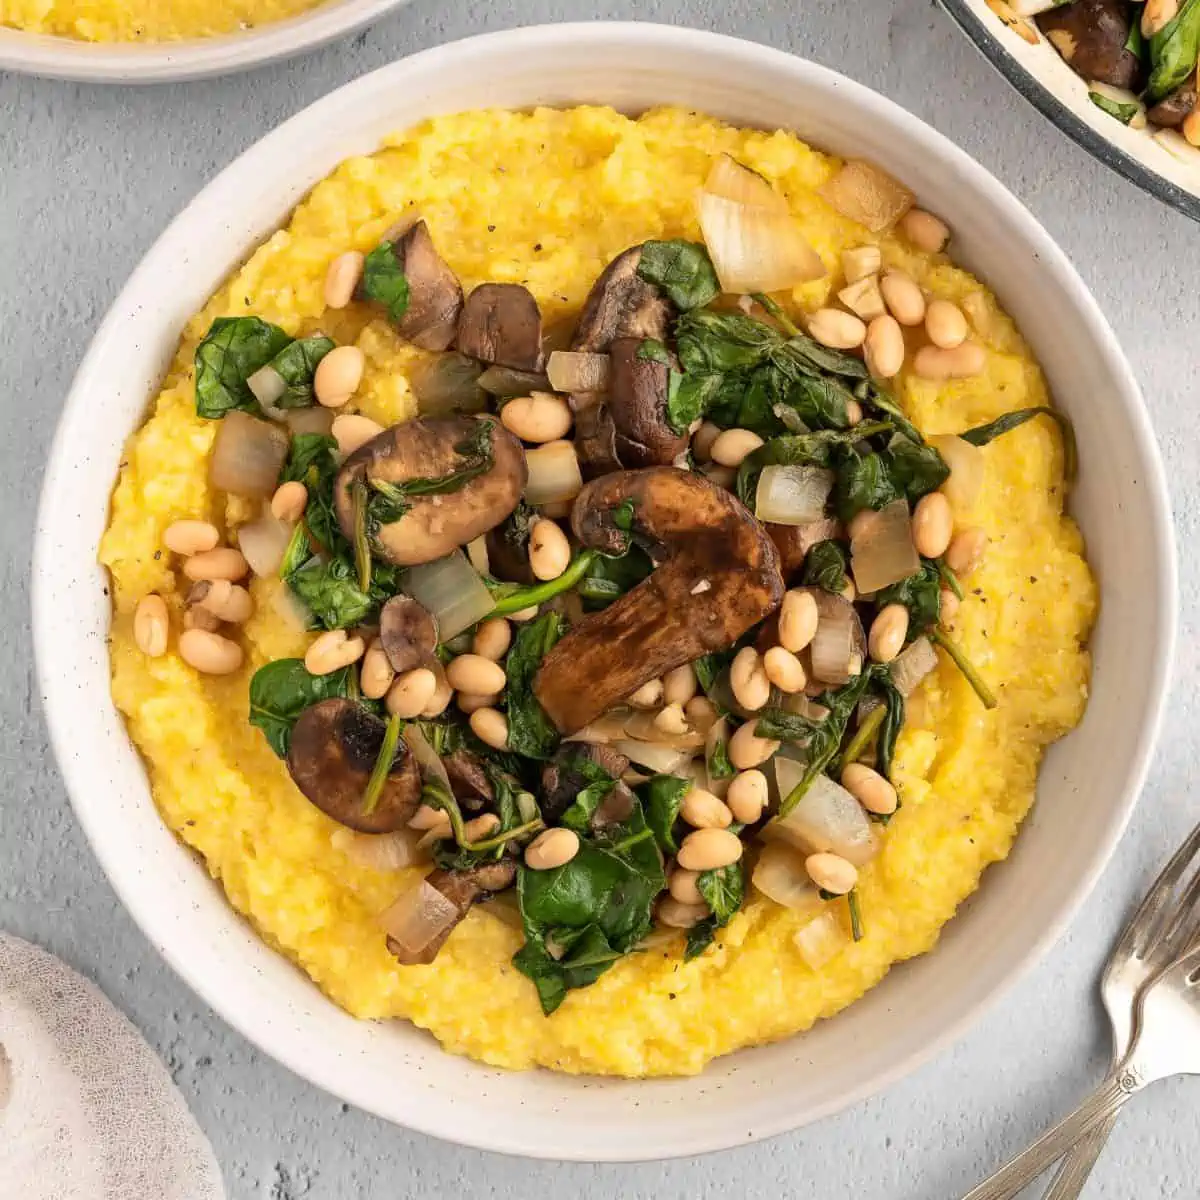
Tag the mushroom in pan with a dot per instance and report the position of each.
(501, 324)
(442, 481)
(795, 541)
(1092, 36)
(435, 298)
(639, 383)
(334, 748)
(468, 779)
(564, 777)
(622, 304)
(716, 575)
(596, 441)
(421, 920)
(408, 633)
(1173, 110)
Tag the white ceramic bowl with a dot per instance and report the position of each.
(198, 58)
(1089, 781)
(1044, 79)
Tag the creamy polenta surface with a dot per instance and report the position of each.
(146, 20)
(547, 199)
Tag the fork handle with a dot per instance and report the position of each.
(1078, 1164)
(1019, 1172)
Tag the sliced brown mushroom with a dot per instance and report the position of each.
(333, 751)
(622, 304)
(716, 575)
(637, 402)
(508, 546)
(468, 779)
(435, 297)
(564, 777)
(795, 541)
(408, 633)
(501, 324)
(422, 919)
(1173, 110)
(1092, 36)
(596, 441)
(430, 449)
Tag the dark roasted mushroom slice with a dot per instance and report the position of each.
(596, 441)
(425, 451)
(468, 779)
(1092, 36)
(795, 541)
(716, 575)
(408, 633)
(333, 751)
(637, 402)
(435, 297)
(563, 777)
(423, 918)
(501, 324)
(622, 304)
(508, 546)
(1173, 110)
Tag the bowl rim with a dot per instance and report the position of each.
(57, 699)
(52, 56)
(1058, 113)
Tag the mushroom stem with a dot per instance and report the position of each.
(527, 597)
(383, 765)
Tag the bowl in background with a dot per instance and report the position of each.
(1041, 75)
(195, 58)
(1089, 782)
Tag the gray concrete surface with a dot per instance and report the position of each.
(89, 176)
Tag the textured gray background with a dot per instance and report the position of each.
(88, 178)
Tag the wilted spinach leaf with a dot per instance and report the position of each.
(661, 796)
(578, 815)
(916, 468)
(1174, 51)
(384, 281)
(982, 434)
(862, 482)
(921, 594)
(825, 567)
(230, 352)
(681, 269)
(530, 731)
(330, 590)
(297, 364)
(724, 890)
(282, 690)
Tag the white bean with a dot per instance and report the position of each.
(747, 749)
(191, 537)
(549, 550)
(784, 670)
(474, 673)
(798, 617)
(680, 684)
(492, 639)
(151, 625)
(554, 848)
(709, 850)
(342, 278)
(338, 375)
(352, 430)
(733, 445)
(831, 873)
(748, 679)
(332, 651)
(702, 810)
(209, 653)
(747, 796)
(540, 417)
(490, 726)
(869, 788)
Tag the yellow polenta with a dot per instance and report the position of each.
(547, 199)
(145, 20)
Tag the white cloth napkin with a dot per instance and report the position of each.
(87, 1110)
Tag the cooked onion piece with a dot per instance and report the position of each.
(553, 474)
(882, 552)
(868, 195)
(966, 469)
(827, 818)
(755, 249)
(576, 371)
(451, 589)
(792, 495)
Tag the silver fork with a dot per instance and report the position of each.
(1165, 1017)
(1137, 958)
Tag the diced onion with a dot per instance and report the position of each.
(882, 552)
(477, 553)
(731, 180)
(247, 455)
(380, 851)
(641, 726)
(755, 249)
(451, 589)
(966, 463)
(661, 759)
(835, 645)
(553, 473)
(605, 729)
(504, 381)
(571, 371)
(417, 920)
(792, 495)
(267, 385)
(448, 383)
(309, 420)
(433, 770)
(264, 543)
(780, 875)
(1175, 144)
(868, 195)
(912, 665)
(821, 940)
(718, 733)
(827, 818)
(290, 609)
(803, 706)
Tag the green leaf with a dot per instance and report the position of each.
(681, 269)
(330, 590)
(825, 566)
(579, 813)
(723, 889)
(662, 795)
(297, 365)
(608, 578)
(530, 732)
(709, 668)
(921, 594)
(717, 761)
(1174, 51)
(229, 353)
(916, 468)
(309, 452)
(783, 726)
(385, 282)
(981, 435)
(1123, 112)
(893, 722)
(862, 482)
(282, 690)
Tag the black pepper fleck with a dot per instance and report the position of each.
(491, 229)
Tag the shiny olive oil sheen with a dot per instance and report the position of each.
(547, 199)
